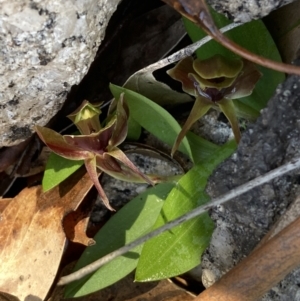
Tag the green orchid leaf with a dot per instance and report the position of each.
(57, 170)
(253, 36)
(179, 250)
(134, 130)
(153, 118)
(133, 220)
(202, 149)
(244, 111)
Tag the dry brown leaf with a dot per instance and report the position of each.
(4, 203)
(33, 239)
(75, 226)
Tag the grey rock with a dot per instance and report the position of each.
(247, 10)
(241, 223)
(45, 48)
(210, 128)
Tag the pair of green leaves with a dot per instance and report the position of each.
(167, 255)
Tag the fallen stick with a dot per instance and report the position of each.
(280, 171)
(261, 270)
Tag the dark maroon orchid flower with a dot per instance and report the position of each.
(97, 146)
(214, 82)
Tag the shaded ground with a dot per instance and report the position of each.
(272, 141)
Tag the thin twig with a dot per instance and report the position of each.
(255, 275)
(197, 12)
(288, 167)
(179, 55)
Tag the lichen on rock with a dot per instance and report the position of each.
(245, 10)
(46, 47)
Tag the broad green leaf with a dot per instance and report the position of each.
(244, 111)
(253, 36)
(134, 130)
(132, 221)
(153, 118)
(179, 250)
(202, 149)
(57, 170)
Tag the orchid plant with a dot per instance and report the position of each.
(215, 82)
(97, 145)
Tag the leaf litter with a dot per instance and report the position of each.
(32, 236)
